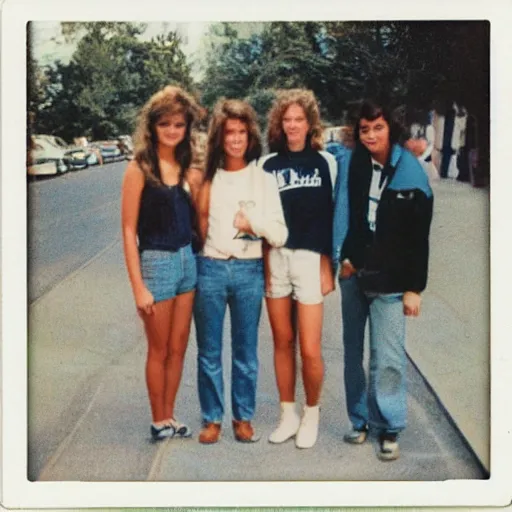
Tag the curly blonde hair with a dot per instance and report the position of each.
(169, 100)
(230, 109)
(305, 99)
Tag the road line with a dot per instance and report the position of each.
(157, 461)
(64, 444)
(76, 271)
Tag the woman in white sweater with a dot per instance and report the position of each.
(238, 207)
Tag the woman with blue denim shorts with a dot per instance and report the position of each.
(157, 218)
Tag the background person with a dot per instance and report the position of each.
(421, 142)
(157, 230)
(306, 177)
(383, 251)
(238, 206)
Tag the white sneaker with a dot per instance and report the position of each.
(288, 424)
(308, 430)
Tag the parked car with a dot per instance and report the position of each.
(94, 154)
(48, 168)
(83, 157)
(126, 144)
(44, 151)
(78, 156)
(110, 150)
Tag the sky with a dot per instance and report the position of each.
(46, 49)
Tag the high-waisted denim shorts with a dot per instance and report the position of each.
(167, 274)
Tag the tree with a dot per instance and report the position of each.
(110, 75)
(261, 100)
(276, 55)
(75, 30)
(233, 64)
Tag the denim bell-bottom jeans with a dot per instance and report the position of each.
(239, 284)
(382, 403)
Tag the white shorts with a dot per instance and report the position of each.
(295, 272)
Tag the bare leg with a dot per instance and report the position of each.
(280, 316)
(181, 316)
(157, 326)
(310, 317)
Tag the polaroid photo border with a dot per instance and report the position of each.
(17, 491)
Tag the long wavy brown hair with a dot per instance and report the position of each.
(305, 99)
(169, 100)
(230, 109)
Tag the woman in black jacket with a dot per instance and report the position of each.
(384, 263)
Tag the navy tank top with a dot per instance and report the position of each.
(165, 218)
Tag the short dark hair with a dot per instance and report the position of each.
(372, 109)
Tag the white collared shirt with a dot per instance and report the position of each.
(376, 188)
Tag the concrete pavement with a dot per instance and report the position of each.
(450, 341)
(88, 409)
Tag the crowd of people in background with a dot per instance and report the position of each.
(285, 226)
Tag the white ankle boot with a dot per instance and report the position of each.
(288, 424)
(308, 430)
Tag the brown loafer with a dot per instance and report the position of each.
(210, 433)
(244, 432)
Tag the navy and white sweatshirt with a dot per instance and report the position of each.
(306, 185)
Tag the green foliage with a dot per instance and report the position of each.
(110, 76)
(406, 63)
(292, 57)
(409, 63)
(276, 55)
(240, 57)
(261, 100)
(73, 30)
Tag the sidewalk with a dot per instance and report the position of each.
(450, 341)
(449, 344)
(88, 409)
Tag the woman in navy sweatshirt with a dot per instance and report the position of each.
(305, 176)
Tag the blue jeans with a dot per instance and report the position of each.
(238, 284)
(382, 403)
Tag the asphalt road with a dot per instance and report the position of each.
(71, 217)
(88, 410)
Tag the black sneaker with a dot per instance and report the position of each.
(180, 429)
(159, 433)
(388, 447)
(356, 435)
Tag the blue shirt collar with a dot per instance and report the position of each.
(396, 153)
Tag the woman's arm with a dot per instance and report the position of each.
(267, 221)
(203, 208)
(133, 184)
(194, 178)
(326, 274)
(412, 303)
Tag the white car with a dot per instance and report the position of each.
(44, 152)
(42, 169)
(76, 156)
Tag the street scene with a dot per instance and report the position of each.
(88, 408)
(147, 141)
